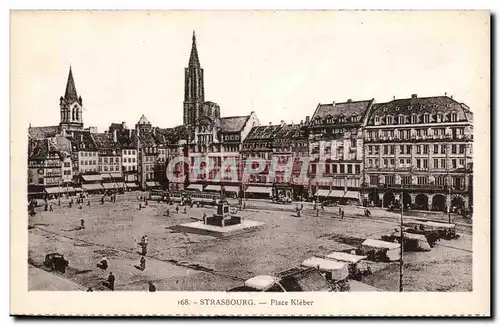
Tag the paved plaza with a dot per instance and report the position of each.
(178, 261)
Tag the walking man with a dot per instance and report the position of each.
(204, 218)
(50, 208)
(88, 203)
(342, 214)
(168, 212)
(58, 201)
(177, 209)
(82, 223)
(143, 263)
(111, 281)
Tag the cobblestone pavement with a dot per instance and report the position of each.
(191, 262)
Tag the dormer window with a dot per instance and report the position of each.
(426, 118)
(440, 117)
(377, 121)
(454, 117)
(413, 118)
(389, 120)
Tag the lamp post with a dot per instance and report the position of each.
(401, 239)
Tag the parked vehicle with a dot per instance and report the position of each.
(445, 231)
(156, 194)
(55, 261)
(290, 280)
(357, 264)
(412, 241)
(378, 250)
(335, 272)
(432, 236)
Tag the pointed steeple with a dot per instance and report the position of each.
(194, 61)
(70, 95)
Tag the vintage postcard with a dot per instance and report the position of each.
(250, 163)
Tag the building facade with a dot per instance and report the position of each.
(422, 148)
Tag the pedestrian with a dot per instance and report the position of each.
(82, 223)
(322, 206)
(140, 206)
(79, 206)
(143, 263)
(146, 201)
(244, 204)
(88, 203)
(340, 211)
(204, 218)
(146, 241)
(168, 212)
(46, 207)
(152, 287)
(58, 201)
(50, 208)
(111, 281)
(185, 210)
(177, 209)
(103, 264)
(102, 200)
(144, 249)
(342, 214)
(70, 204)
(317, 211)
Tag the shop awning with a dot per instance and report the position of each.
(105, 176)
(54, 190)
(195, 187)
(92, 186)
(152, 184)
(132, 185)
(259, 190)
(68, 189)
(328, 193)
(116, 175)
(109, 185)
(120, 185)
(92, 177)
(352, 195)
(213, 188)
(232, 189)
(78, 189)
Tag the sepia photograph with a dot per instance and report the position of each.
(244, 152)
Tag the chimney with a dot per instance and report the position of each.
(124, 125)
(282, 123)
(451, 96)
(445, 94)
(115, 138)
(30, 125)
(393, 97)
(333, 103)
(307, 119)
(270, 123)
(349, 100)
(413, 95)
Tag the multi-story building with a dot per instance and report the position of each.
(84, 152)
(336, 149)
(422, 148)
(128, 152)
(171, 145)
(44, 168)
(147, 153)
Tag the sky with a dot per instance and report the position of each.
(278, 64)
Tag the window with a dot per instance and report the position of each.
(370, 149)
(418, 163)
(376, 162)
(443, 163)
(386, 149)
(462, 163)
(349, 168)
(453, 117)
(419, 151)
(66, 164)
(454, 163)
(389, 120)
(374, 180)
(105, 168)
(342, 168)
(357, 168)
(462, 149)
(391, 149)
(436, 163)
(413, 119)
(426, 118)
(377, 121)
(370, 163)
(335, 168)
(393, 162)
(401, 149)
(443, 149)
(401, 134)
(439, 117)
(453, 149)
(408, 149)
(401, 162)
(376, 148)
(408, 162)
(422, 180)
(426, 149)
(406, 179)
(389, 180)
(426, 164)
(441, 180)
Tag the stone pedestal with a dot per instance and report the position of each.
(222, 218)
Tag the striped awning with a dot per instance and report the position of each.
(232, 189)
(109, 185)
(259, 190)
(54, 190)
(132, 185)
(194, 186)
(92, 177)
(92, 186)
(213, 188)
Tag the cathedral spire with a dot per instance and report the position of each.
(194, 61)
(70, 95)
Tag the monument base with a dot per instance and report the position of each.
(216, 231)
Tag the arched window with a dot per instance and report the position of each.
(389, 119)
(73, 114)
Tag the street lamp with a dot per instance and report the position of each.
(401, 239)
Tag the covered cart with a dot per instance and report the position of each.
(335, 272)
(378, 250)
(444, 230)
(357, 264)
(412, 241)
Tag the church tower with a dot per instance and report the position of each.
(194, 93)
(71, 106)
